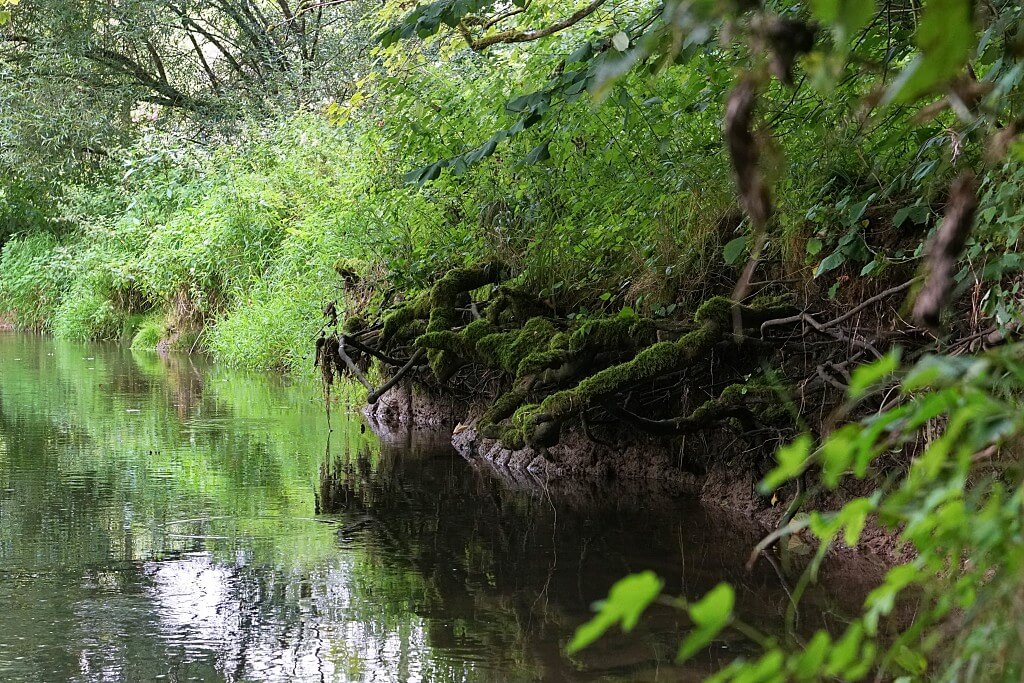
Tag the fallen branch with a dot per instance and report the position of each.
(876, 298)
(352, 367)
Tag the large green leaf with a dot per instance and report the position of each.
(710, 615)
(945, 38)
(792, 459)
(627, 600)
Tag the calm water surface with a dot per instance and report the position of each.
(166, 519)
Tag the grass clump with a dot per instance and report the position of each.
(150, 332)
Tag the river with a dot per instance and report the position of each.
(165, 518)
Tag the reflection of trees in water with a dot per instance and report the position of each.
(511, 573)
(157, 541)
(96, 460)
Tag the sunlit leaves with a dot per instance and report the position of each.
(792, 459)
(852, 518)
(866, 376)
(626, 601)
(5, 12)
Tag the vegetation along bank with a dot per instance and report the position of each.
(773, 243)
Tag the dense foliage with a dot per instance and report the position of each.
(217, 186)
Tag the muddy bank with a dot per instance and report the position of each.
(717, 470)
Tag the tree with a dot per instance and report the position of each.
(80, 76)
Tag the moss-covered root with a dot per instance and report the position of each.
(513, 306)
(444, 299)
(399, 323)
(747, 403)
(715, 318)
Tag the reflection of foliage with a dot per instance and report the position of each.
(957, 507)
(154, 479)
(510, 573)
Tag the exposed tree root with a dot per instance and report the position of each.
(729, 366)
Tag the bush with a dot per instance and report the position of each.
(274, 329)
(87, 314)
(32, 280)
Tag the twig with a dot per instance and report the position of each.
(876, 298)
(788, 530)
(359, 346)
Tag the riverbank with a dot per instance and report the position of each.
(653, 467)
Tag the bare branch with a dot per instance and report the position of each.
(514, 36)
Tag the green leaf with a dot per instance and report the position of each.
(881, 600)
(709, 615)
(837, 454)
(911, 661)
(866, 376)
(854, 516)
(830, 262)
(627, 600)
(846, 650)
(814, 246)
(945, 38)
(792, 459)
(734, 249)
(808, 666)
(538, 153)
(845, 17)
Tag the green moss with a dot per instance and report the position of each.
(452, 346)
(495, 309)
(504, 406)
(478, 329)
(507, 350)
(613, 333)
(399, 318)
(443, 363)
(446, 291)
(350, 268)
(512, 306)
(452, 342)
(542, 360)
(651, 363)
(717, 309)
(354, 324)
(444, 298)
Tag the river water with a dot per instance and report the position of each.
(162, 518)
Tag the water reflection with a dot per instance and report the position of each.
(165, 520)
